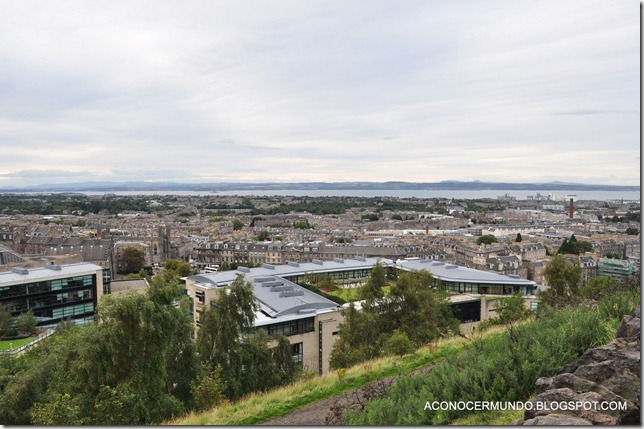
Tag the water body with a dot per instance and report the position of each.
(561, 195)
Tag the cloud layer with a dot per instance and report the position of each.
(319, 91)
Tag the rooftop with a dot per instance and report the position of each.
(456, 273)
(20, 275)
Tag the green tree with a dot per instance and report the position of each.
(182, 268)
(512, 309)
(60, 411)
(208, 390)
(165, 288)
(632, 231)
(302, 224)
(414, 307)
(486, 239)
(223, 328)
(237, 225)
(399, 344)
(359, 338)
(519, 239)
(26, 323)
(263, 236)
(371, 292)
(563, 281)
(5, 320)
(133, 260)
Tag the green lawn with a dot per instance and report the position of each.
(7, 344)
(351, 294)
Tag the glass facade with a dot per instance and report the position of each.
(293, 327)
(53, 300)
(482, 288)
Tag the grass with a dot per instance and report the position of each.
(351, 294)
(9, 344)
(260, 407)
(489, 418)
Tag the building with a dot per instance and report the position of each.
(457, 279)
(614, 268)
(309, 321)
(54, 292)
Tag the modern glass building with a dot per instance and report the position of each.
(54, 292)
(457, 279)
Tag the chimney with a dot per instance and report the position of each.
(572, 209)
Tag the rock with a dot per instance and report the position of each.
(607, 374)
(630, 328)
(563, 401)
(557, 420)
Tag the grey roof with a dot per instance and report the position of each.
(49, 271)
(291, 269)
(456, 273)
(278, 297)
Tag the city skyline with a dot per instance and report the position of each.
(310, 91)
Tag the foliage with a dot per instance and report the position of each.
(208, 389)
(519, 239)
(263, 236)
(117, 371)
(399, 344)
(632, 231)
(237, 225)
(26, 323)
(512, 309)
(227, 340)
(486, 239)
(5, 319)
(413, 311)
(499, 368)
(181, 268)
(165, 288)
(574, 247)
(563, 278)
(302, 224)
(133, 260)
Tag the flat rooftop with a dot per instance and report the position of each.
(224, 278)
(18, 275)
(456, 273)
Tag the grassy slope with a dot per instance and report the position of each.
(257, 408)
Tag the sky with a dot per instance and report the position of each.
(303, 91)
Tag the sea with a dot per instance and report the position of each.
(559, 195)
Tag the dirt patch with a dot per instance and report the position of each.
(330, 411)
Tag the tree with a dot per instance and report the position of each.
(512, 309)
(181, 268)
(486, 239)
(26, 323)
(263, 236)
(222, 332)
(632, 231)
(563, 281)
(208, 390)
(237, 225)
(372, 291)
(133, 260)
(574, 247)
(414, 307)
(302, 224)
(5, 320)
(519, 239)
(399, 344)
(359, 338)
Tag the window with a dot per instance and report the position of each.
(297, 353)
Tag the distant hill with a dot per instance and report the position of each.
(231, 186)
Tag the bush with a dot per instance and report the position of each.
(500, 368)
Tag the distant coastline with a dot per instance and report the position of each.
(317, 186)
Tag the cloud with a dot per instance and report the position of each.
(309, 90)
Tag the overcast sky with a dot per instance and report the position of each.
(420, 91)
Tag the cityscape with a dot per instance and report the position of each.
(320, 213)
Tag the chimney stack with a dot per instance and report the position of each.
(572, 209)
